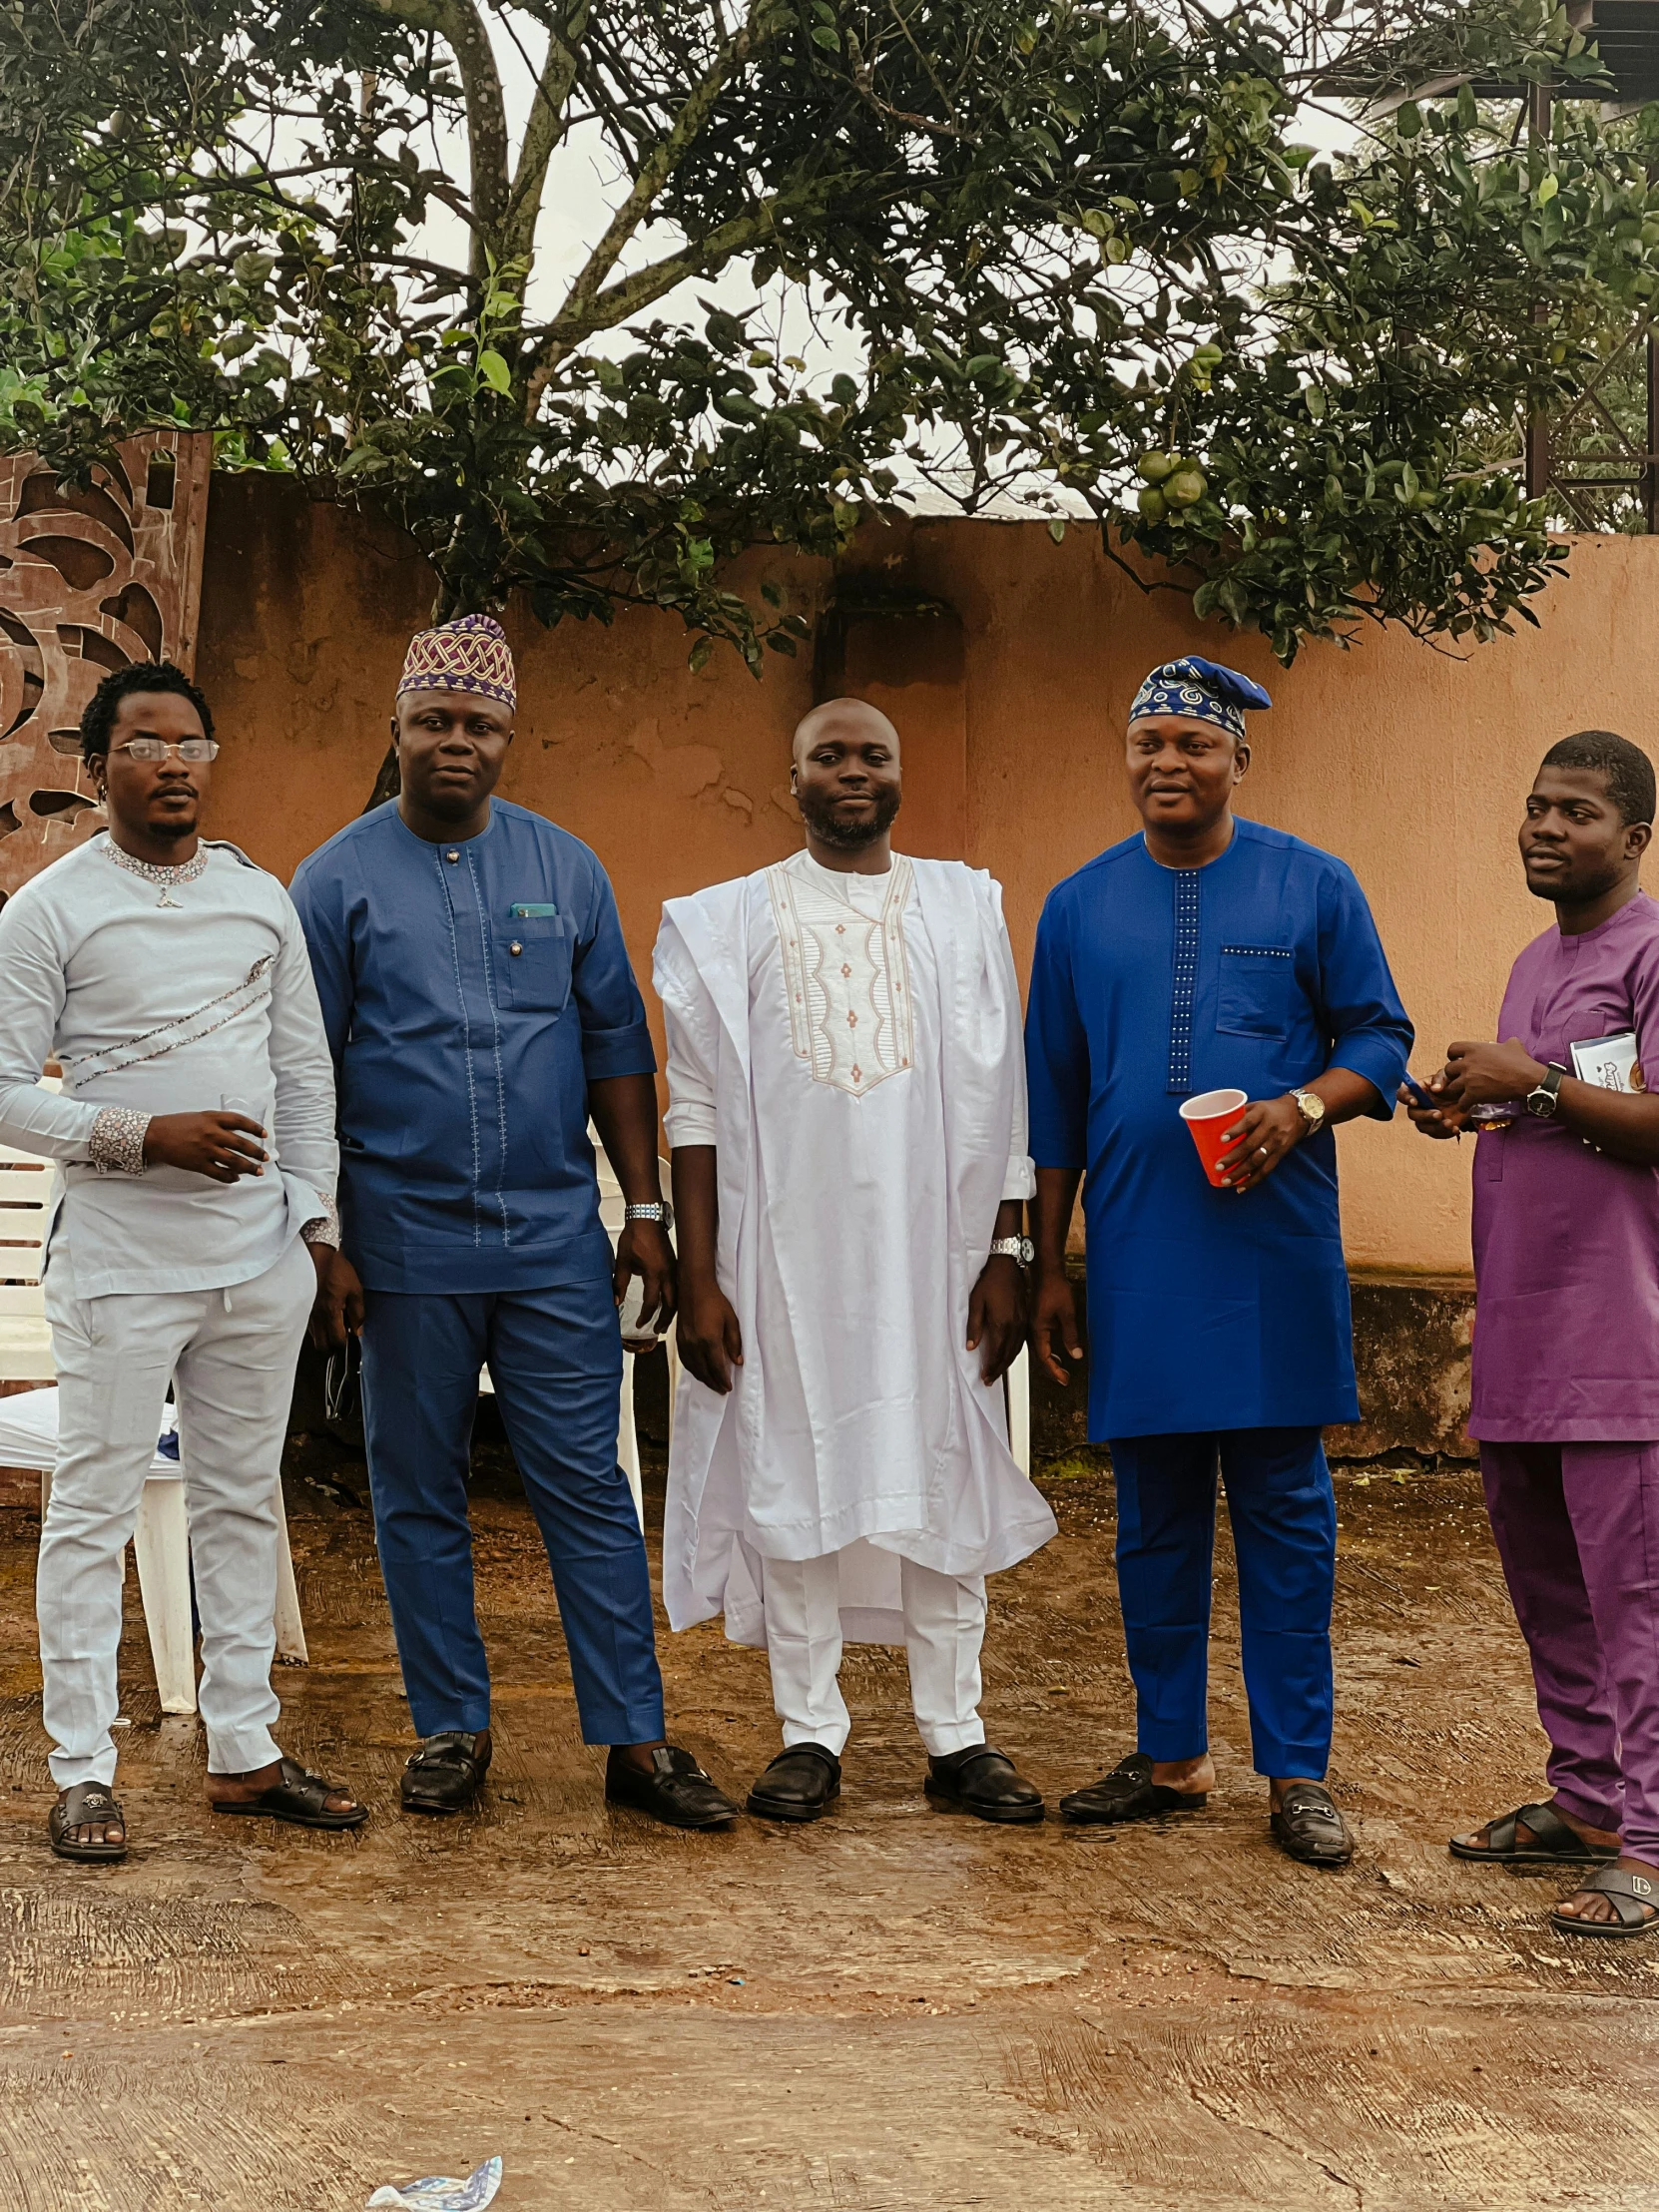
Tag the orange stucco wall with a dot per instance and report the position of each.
(1408, 762)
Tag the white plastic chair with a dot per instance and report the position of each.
(1017, 1383)
(29, 1439)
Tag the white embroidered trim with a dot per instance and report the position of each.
(167, 1036)
(847, 978)
(116, 1145)
(324, 1228)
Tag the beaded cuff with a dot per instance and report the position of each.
(116, 1146)
(324, 1228)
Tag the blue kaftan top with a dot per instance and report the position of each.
(465, 1039)
(1257, 972)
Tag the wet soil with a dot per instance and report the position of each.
(895, 2008)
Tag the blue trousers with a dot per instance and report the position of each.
(1283, 1517)
(555, 1357)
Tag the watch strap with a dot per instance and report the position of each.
(1546, 1095)
(658, 1210)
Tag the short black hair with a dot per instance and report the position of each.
(1630, 772)
(98, 720)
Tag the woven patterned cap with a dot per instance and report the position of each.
(468, 655)
(1203, 691)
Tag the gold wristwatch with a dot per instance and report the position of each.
(1312, 1108)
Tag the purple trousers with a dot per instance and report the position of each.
(1577, 1528)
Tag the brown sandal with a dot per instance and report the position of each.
(1554, 1842)
(86, 1804)
(300, 1799)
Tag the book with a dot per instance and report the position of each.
(1609, 1062)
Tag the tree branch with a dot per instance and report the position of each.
(459, 25)
(545, 128)
(659, 166)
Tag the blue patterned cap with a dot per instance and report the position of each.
(1202, 690)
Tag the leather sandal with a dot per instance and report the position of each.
(86, 1804)
(445, 1774)
(982, 1782)
(1129, 1793)
(801, 1784)
(1554, 1842)
(674, 1789)
(1309, 1827)
(300, 1797)
(1635, 1899)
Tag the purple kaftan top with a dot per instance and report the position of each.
(1567, 1239)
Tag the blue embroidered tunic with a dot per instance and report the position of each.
(1207, 1310)
(464, 1038)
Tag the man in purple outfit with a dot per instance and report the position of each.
(1566, 1341)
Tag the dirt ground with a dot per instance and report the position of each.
(892, 2009)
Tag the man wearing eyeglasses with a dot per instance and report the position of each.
(196, 1136)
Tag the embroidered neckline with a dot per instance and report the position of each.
(824, 881)
(153, 871)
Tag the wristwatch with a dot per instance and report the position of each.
(1546, 1096)
(1312, 1107)
(658, 1210)
(1014, 1247)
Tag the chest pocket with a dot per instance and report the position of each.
(1257, 990)
(532, 963)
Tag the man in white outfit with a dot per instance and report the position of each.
(195, 1133)
(848, 1121)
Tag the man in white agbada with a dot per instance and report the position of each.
(848, 1120)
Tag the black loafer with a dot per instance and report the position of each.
(984, 1783)
(673, 1789)
(444, 1774)
(1129, 1793)
(1309, 1827)
(800, 1784)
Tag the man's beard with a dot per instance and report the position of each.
(172, 829)
(847, 836)
(1579, 893)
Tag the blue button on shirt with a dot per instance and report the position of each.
(1207, 1310)
(465, 1039)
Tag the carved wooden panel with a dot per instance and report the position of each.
(89, 580)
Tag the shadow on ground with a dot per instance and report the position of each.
(892, 2009)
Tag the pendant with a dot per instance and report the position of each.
(167, 899)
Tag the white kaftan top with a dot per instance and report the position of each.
(164, 992)
(852, 1047)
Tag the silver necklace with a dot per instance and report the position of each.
(154, 873)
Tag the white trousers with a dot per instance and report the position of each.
(229, 1356)
(944, 1626)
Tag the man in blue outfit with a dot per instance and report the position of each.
(1209, 952)
(479, 1005)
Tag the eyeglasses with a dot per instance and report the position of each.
(159, 749)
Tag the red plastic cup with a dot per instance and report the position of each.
(1206, 1116)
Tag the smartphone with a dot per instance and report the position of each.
(1424, 1098)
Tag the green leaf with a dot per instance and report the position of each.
(697, 658)
(494, 369)
(1057, 530)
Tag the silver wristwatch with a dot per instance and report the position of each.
(658, 1210)
(1014, 1247)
